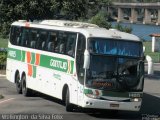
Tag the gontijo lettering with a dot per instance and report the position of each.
(58, 64)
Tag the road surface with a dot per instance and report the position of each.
(45, 107)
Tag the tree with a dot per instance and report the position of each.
(12, 10)
(100, 19)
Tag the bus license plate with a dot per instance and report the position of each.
(114, 105)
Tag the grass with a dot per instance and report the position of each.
(3, 43)
(148, 51)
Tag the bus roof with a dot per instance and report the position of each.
(89, 30)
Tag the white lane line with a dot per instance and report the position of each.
(1, 75)
(4, 101)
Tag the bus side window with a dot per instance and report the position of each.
(81, 45)
(15, 36)
(33, 38)
(52, 40)
(25, 37)
(71, 42)
(12, 40)
(41, 40)
(61, 43)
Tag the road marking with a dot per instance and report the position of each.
(1, 75)
(4, 101)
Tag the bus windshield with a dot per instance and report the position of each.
(115, 65)
(115, 47)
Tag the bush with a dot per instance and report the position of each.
(100, 19)
(123, 29)
(3, 57)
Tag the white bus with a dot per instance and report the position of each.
(79, 63)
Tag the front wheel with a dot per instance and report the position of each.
(26, 92)
(18, 83)
(69, 106)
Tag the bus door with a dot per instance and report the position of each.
(81, 45)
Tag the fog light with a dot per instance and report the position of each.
(136, 99)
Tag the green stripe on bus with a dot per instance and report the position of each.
(58, 64)
(55, 63)
(23, 56)
(88, 91)
(32, 58)
(14, 54)
(108, 93)
(34, 71)
(72, 64)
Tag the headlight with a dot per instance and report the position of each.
(92, 96)
(136, 99)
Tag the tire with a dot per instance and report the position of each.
(26, 92)
(69, 106)
(18, 83)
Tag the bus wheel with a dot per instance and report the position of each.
(25, 90)
(18, 83)
(69, 106)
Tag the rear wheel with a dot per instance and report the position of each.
(26, 92)
(18, 83)
(69, 106)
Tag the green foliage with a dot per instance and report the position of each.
(12, 10)
(123, 29)
(3, 57)
(75, 9)
(100, 20)
(3, 43)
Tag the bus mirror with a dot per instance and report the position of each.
(144, 48)
(86, 60)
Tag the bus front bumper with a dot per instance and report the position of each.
(111, 105)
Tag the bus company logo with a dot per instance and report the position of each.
(12, 54)
(58, 64)
(102, 84)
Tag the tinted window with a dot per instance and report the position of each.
(115, 47)
(15, 35)
(81, 45)
(54, 41)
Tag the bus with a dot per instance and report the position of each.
(79, 63)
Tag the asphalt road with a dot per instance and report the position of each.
(45, 107)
